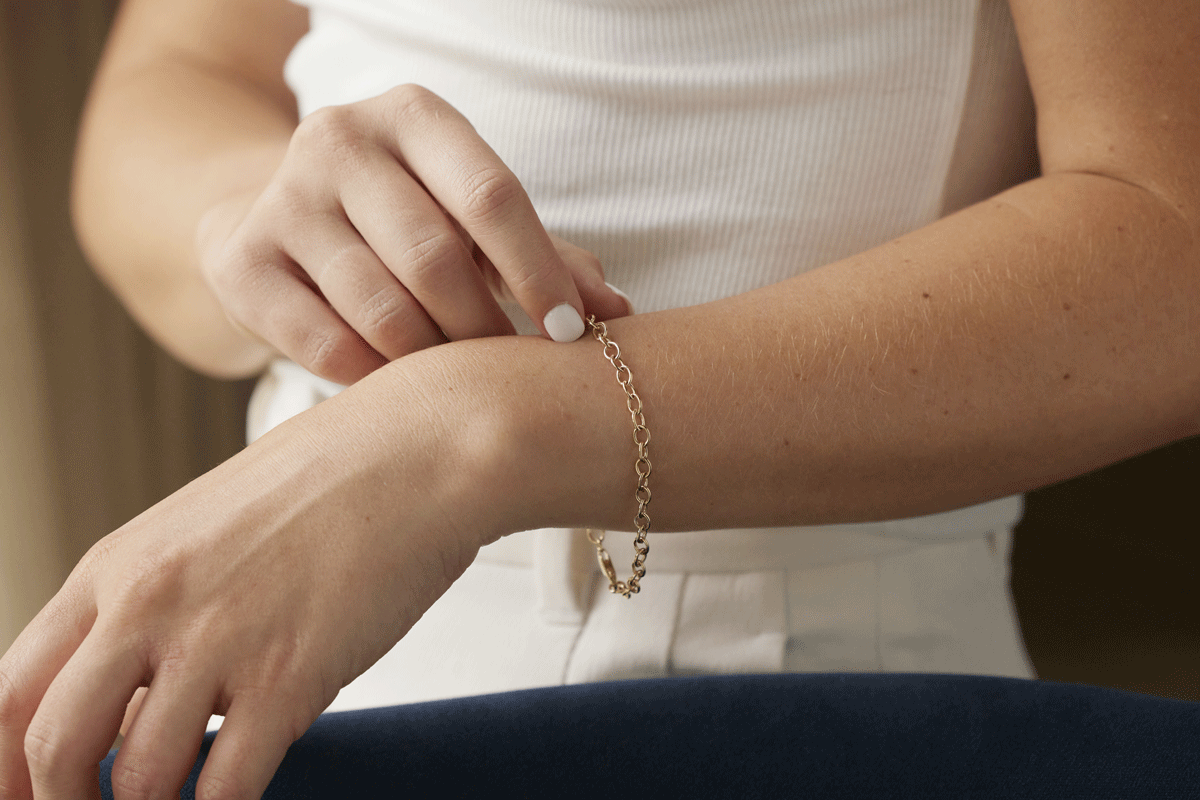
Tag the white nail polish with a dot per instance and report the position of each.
(622, 295)
(563, 323)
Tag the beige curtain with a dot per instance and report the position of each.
(96, 423)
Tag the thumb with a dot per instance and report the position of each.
(602, 299)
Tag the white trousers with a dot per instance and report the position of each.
(533, 611)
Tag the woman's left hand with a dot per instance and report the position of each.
(257, 592)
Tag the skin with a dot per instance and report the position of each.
(1042, 333)
(345, 241)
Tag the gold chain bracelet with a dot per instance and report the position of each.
(641, 438)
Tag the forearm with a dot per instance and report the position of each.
(169, 134)
(1043, 333)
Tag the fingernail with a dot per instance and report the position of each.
(622, 295)
(563, 323)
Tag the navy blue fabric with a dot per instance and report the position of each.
(773, 736)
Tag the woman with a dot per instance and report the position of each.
(711, 159)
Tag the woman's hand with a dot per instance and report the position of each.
(390, 227)
(257, 591)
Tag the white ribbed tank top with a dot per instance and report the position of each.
(702, 148)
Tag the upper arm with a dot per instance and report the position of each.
(247, 40)
(1117, 89)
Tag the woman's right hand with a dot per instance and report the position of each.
(389, 227)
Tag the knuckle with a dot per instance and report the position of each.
(249, 283)
(487, 194)
(330, 131)
(416, 102)
(427, 262)
(152, 583)
(324, 351)
(240, 267)
(289, 205)
(386, 315)
(530, 276)
(346, 264)
(98, 555)
(220, 786)
(46, 752)
(131, 783)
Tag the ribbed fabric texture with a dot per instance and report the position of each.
(703, 148)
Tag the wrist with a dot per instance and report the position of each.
(533, 433)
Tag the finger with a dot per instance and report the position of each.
(422, 248)
(599, 298)
(441, 149)
(249, 747)
(273, 301)
(26, 672)
(602, 299)
(78, 719)
(160, 750)
(365, 293)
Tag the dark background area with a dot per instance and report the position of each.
(1104, 574)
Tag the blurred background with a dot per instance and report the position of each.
(97, 423)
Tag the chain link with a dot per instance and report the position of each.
(641, 438)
